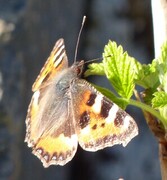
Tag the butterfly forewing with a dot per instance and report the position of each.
(56, 62)
(48, 118)
(100, 122)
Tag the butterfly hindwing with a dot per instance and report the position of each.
(100, 122)
(57, 148)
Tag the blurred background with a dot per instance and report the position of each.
(28, 31)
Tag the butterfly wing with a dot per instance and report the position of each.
(56, 62)
(49, 129)
(99, 122)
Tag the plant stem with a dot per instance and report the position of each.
(147, 108)
(163, 159)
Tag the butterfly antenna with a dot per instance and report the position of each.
(92, 60)
(96, 59)
(76, 48)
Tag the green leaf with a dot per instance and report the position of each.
(164, 82)
(94, 69)
(159, 100)
(120, 69)
(155, 74)
(147, 76)
(162, 67)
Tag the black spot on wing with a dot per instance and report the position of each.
(91, 99)
(105, 107)
(84, 119)
(94, 127)
(102, 125)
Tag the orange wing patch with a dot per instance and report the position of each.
(56, 150)
(102, 123)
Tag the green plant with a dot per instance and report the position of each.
(124, 74)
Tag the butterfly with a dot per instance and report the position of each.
(66, 109)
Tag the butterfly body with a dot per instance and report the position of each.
(66, 109)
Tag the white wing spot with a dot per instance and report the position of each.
(60, 158)
(39, 151)
(46, 157)
(97, 105)
(54, 158)
(112, 114)
(126, 121)
(36, 97)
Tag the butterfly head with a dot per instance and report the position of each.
(78, 67)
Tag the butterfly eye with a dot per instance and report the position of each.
(79, 71)
(79, 67)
